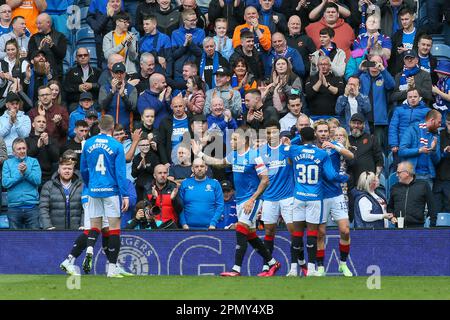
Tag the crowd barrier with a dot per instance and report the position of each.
(391, 252)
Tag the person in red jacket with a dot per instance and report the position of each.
(344, 34)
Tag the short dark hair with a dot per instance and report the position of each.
(307, 134)
(81, 123)
(149, 17)
(254, 91)
(327, 30)
(246, 34)
(425, 36)
(273, 123)
(121, 15)
(15, 19)
(331, 5)
(406, 10)
(42, 88)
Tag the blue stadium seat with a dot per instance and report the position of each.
(83, 14)
(68, 61)
(393, 179)
(85, 36)
(427, 222)
(383, 180)
(441, 50)
(4, 223)
(438, 39)
(443, 219)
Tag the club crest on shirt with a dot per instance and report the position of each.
(208, 188)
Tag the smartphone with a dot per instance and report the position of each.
(369, 64)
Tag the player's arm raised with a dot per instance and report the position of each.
(197, 150)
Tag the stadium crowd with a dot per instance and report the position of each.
(169, 72)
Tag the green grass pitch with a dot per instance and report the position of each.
(51, 287)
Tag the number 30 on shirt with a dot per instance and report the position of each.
(307, 173)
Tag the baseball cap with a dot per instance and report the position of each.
(410, 53)
(226, 185)
(199, 117)
(36, 53)
(358, 117)
(223, 71)
(86, 96)
(443, 67)
(92, 113)
(118, 67)
(12, 96)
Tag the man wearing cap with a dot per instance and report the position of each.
(223, 89)
(367, 151)
(441, 91)
(118, 98)
(13, 123)
(411, 76)
(82, 78)
(81, 112)
(38, 73)
(229, 218)
(52, 42)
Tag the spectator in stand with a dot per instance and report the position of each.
(37, 74)
(285, 82)
(344, 33)
(259, 113)
(13, 123)
(18, 32)
(181, 168)
(202, 199)
(83, 78)
(85, 105)
(232, 11)
(186, 42)
(42, 147)
(228, 219)
(273, 19)
(21, 177)
(29, 10)
(300, 8)
(223, 89)
(441, 188)
(156, 43)
(262, 36)
(296, 38)
(442, 90)
(60, 204)
(172, 130)
(224, 45)
(157, 97)
(52, 42)
(427, 61)
(411, 77)
(143, 166)
(164, 194)
(404, 39)
(179, 86)
(322, 90)
(141, 80)
(368, 154)
(5, 19)
(370, 208)
(106, 75)
(3, 158)
(409, 197)
(390, 20)
(220, 120)
(351, 102)
(57, 98)
(242, 79)
(168, 16)
(328, 48)
(56, 115)
(377, 83)
(122, 42)
(146, 125)
(281, 49)
(202, 22)
(11, 67)
(144, 9)
(420, 145)
(129, 145)
(195, 95)
(406, 115)
(118, 98)
(81, 131)
(247, 51)
(100, 19)
(210, 62)
(302, 121)
(319, 7)
(294, 105)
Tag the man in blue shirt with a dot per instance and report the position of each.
(228, 219)
(250, 178)
(202, 199)
(103, 170)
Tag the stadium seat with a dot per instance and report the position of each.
(441, 50)
(443, 219)
(83, 14)
(85, 36)
(438, 39)
(4, 206)
(393, 179)
(68, 61)
(4, 223)
(427, 222)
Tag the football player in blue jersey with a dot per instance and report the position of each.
(250, 180)
(311, 167)
(102, 168)
(335, 205)
(278, 197)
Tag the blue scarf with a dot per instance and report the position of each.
(267, 16)
(30, 91)
(215, 67)
(362, 26)
(328, 51)
(443, 85)
(234, 84)
(406, 74)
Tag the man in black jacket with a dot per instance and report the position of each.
(81, 78)
(409, 196)
(52, 42)
(441, 186)
(251, 56)
(43, 147)
(259, 114)
(300, 41)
